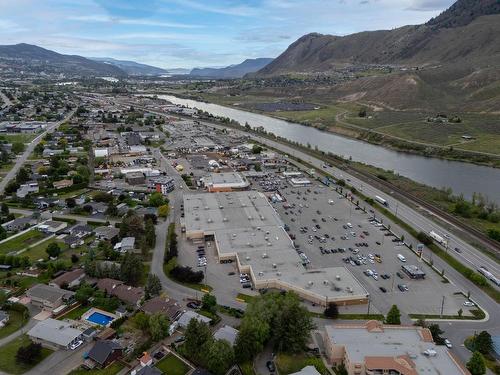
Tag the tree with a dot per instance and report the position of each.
(476, 364)
(5, 209)
(74, 258)
(131, 269)
(53, 250)
(253, 334)
(256, 149)
(112, 210)
(483, 343)
(163, 210)
(149, 233)
(83, 293)
(17, 147)
(362, 112)
(29, 354)
(436, 333)
(340, 369)
(209, 302)
(3, 233)
(221, 357)
(292, 324)
(158, 326)
(393, 316)
(153, 285)
(156, 199)
(70, 202)
(197, 335)
(141, 321)
(332, 311)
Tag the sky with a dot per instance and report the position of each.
(194, 33)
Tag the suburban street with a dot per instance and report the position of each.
(29, 150)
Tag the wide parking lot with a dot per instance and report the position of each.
(332, 232)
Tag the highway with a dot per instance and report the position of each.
(29, 150)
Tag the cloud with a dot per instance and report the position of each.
(131, 21)
(225, 8)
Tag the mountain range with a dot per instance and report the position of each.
(232, 71)
(37, 59)
(131, 67)
(467, 33)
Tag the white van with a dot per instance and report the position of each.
(401, 258)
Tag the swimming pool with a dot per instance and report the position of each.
(99, 318)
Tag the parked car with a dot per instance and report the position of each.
(448, 343)
(469, 304)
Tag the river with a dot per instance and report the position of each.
(462, 178)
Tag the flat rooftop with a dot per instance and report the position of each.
(246, 226)
(360, 342)
(226, 180)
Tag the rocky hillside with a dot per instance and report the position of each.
(232, 71)
(468, 31)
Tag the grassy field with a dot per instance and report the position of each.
(21, 137)
(172, 365)
(20, 242)
(38, 251)
(112, 369)
(16, 321)
(289, 364)
(8, 356)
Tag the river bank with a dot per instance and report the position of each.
(462, 178)
(345, 129)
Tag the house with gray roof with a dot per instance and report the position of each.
(48, 297)
(54, 334)
(103, 353)
(227, 333)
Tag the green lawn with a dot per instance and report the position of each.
(247, 368)
(288, 364)
(172, 365)
(75, 313)
(8, 356)
(20, 242)
(38, 251)
(21, 137)
(16, 321)
(112, 369)
(245, 297)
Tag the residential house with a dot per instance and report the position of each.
(48, 297)
(106, 233)
(54, 334)
(19, 224)
(125, 245)
(103, 353)
(146, 359)
(97, 207)
(73, 241)
(227, 333)
(166, 306)
(52, 226)
(146, 370)
(69, 279)
(62, 184)
(80, 230)
(4, 318)
(186, 317)
(129, 294)
(28, 188)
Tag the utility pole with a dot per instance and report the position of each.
(442, 307)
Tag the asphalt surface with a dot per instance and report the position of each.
(29, 150)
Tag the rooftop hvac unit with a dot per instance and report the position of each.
(269, 244)
(210, 220)
(277, 238)
(278, 273)
(243, 205)
(224, 219)
(220, 207)
(248, 244)
(349, 289)
(266, 238)
(250, 218)
(337, 278)
(247, 258)
(261, 273)
(259, 228)
(310, 283)
(264, 256)
(234, 235)
(206, 207)
(275, 265)
(325, 282)
(267, 232)
(262, 217)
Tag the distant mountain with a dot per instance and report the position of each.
(232, 71)
(467, 33)
(178, 71)
(132, 67)
(32, 58)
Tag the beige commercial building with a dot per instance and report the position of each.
(244, 227)
(376, 349)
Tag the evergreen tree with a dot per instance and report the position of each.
(476, 364)
(393, 316)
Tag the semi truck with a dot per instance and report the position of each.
(436, 237)
(381, 200)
